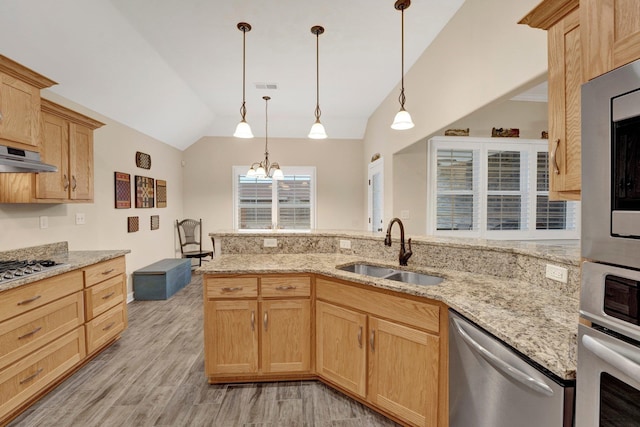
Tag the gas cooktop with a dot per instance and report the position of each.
(17, 269)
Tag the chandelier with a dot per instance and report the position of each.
(265, 169)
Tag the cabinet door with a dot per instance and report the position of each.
(340, 347)
(19, 112)
(611, 30)
(231, 337)
(55, 151)
(403, 367)
(286, 338)
(81, 162)
(565, 78)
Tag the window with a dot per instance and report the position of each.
(262, 204)
(495, 189)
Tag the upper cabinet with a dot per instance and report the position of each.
(20, 105)
(67, 142)
(587, 38)
(611, 34)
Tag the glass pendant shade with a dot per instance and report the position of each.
(243, 130)
(317, 131)
(251, 172)
(402, 121)
(260, 172)
(277, 174)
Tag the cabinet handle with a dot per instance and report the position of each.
(0, 117)
(554, 161)
(265, 321)
(104, 273)
(253, 320)
(231, 289)
(66, 181)
(360, 337)
(32, 376)
(372, 340)
(109, 326)
(285, 288)
(73, 178)
(30, 300)
(28, 334)
(109, 295)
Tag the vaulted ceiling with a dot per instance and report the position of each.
(172, 69)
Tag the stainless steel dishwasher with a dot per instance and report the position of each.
(491, 385)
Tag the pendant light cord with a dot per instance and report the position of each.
(402, 98)
(243, 108)
(318, 112)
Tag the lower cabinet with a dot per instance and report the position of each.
(255, 330)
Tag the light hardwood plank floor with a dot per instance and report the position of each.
(154, 376)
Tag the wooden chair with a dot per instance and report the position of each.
(190, 236)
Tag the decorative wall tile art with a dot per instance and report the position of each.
(144, 192)
(155, 222)
(161, 193)
(133, 224)
(143, 160)
(122, 190)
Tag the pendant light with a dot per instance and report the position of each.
(402, 120)
(243, 130)
(265, 169)
(317, 130)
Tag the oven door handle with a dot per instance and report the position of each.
(612, 357)
(509, 370)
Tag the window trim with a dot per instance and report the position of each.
(289, 170)
(484, 145)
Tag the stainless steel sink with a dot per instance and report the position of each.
(392, 274)
(414, 278)
(368, 270)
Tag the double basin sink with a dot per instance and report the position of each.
(392, 274)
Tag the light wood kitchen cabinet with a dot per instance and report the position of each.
(257, 327)
(561, 18)
(67, 142)
(20, 105)
(400, 338)
(611, 34)
(341, 353)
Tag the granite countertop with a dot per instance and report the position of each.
(538, 322)
(71, 260)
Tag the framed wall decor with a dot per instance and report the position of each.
(133, 224)
(143, 160)
(155, 222)
(122, 190)
(144, 192)
(161, 193)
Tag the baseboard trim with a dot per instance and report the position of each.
(130, 297)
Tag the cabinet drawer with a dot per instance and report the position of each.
(231, 287)
(24, 298)
(25, 378)
(105, 327)
(420, 314)
(104, 270)
(25, 333)
(285, 286)
(103, 296)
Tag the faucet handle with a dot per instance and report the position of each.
(407, 254)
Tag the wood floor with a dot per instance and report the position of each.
(154, 376)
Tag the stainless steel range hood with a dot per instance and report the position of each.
(14, 160)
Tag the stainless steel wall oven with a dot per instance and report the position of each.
(608, 375)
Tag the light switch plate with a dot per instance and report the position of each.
(270, 243)
(44, 222)
(80, 220)
(556, 273)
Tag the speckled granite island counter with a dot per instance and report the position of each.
(501, 286)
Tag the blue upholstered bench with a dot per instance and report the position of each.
(161, 279)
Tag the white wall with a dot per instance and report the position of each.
(115, 146)
(340, 188)
(481, 56)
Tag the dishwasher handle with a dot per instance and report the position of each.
(507, 369)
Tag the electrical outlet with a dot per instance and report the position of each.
(270, 243)
(404, 214)
(80, 219)
(557, 273)
(345, 244)
(44, 222)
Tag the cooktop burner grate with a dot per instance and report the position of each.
(16, 269)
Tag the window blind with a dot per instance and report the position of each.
(254, 202)
(456, 193)
(551, 215)
(506, 200)
(294, 202)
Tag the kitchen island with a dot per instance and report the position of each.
(500, 287)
